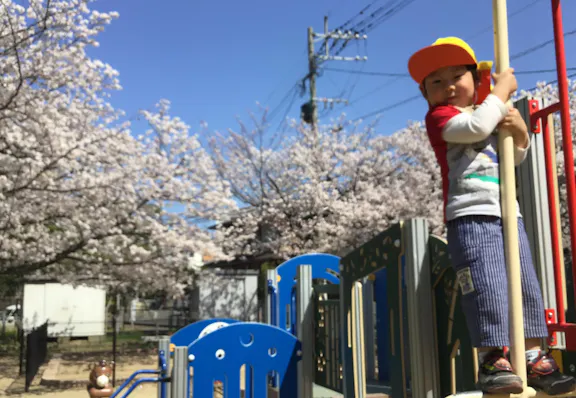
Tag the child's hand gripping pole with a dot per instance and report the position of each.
(484, 81)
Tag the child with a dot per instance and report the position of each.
(463, 139)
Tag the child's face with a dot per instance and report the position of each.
(453, 85)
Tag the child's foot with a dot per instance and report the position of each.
(495, 375)
(543, 374)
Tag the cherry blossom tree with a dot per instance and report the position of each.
(82, 197)
(326, 190)
(333, 189)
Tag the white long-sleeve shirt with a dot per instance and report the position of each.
(466, 147)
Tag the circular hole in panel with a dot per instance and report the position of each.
(272, 352)
(247, 339)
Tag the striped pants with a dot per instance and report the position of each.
(476, 248)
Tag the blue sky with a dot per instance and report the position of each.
(215, 59)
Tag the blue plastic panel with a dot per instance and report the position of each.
(264, 348)
(382, 324)
(324, 266)
(185, 336)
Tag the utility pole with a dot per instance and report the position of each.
(310, 109)
(312, 77)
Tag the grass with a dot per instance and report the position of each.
(9, 341)
(126, 336)
(127, 340)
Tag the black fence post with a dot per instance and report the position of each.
(114, 338)
(22, 343)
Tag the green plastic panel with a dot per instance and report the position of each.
(383, 251)
(327, 337)
(451, 330)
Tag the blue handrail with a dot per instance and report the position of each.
(129, 380)
(140, 381)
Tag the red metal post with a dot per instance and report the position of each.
(554, 221)
(551, 320)
(566, 127)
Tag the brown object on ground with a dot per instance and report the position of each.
(100, 385)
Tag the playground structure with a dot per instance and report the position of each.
(386, 317)
(383, 319)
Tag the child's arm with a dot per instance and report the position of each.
(467, 128)
(515, 124)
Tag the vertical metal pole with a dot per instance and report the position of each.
(424, 363)
(326, 36)
(358, 348)
(564, 99)
(555, 198)
(368, 308)
(164, 346)
(114, 340)
(537, 200)
(22, 341)
(554, 217)
(312, 80)
(305, 330)
(508, 200)
(180, 372)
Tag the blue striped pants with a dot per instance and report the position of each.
(476, 248)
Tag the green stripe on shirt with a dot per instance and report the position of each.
(495, 180)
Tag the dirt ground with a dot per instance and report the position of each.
(73, 368)
(141, 392)
(76, 367)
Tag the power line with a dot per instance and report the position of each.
(415, 97)
(375, 19)
(391, 106)
(539, 71)
(512, 15)
(348, 22)
(391, 8)
(355, 84)
(298, 61)
(516, 56)
(374, 91)
(288, 108)
(391, 74)
(538, 46)
(554, 81)
(292, 91)
(391, 11)
(367, 73)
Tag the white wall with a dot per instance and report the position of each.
(74, 312)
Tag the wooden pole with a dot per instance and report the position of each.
(508, 201)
